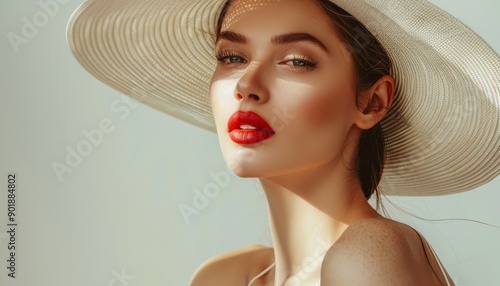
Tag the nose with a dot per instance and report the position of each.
(253, 85)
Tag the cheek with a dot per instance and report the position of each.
(319, 111)
(213, 100)
(332, 105)
(219, 94)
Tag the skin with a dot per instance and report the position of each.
(316, 205)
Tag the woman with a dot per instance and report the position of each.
(302, 95)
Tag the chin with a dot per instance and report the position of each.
(253, 162)
(255, 169)
(244, 170)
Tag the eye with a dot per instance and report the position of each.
(301, 62)
(228, 57)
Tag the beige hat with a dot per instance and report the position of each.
(161, 52)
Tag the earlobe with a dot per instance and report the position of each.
(375, 102)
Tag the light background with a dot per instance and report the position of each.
(118, 210)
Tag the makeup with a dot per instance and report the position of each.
(248, 128)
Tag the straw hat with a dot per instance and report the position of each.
(161, 52)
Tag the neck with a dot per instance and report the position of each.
(308, 212)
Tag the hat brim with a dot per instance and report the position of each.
(448, 79)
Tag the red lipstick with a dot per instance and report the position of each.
(248, 128)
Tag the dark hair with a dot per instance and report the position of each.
(371, 62)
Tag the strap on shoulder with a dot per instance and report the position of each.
(427, 245)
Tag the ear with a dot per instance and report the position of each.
(375, 102)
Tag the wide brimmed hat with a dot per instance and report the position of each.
(161, 52)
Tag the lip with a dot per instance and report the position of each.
(261, 132)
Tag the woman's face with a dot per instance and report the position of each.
(282, 61)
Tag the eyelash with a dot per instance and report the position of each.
(306, 62)
(226, 55)
(302, 62)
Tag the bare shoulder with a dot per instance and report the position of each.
(230, 268)
(378, 251)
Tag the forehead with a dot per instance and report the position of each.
(276, 15)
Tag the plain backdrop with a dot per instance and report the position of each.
(116, 218)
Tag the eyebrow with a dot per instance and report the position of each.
(232, 37)
(297, 37)
(282, 39)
